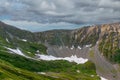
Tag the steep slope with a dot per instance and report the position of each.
(55, 37)
(98, 43)
(19, 61)
(10, 72)
(12, 32)
(107, 36)
(102, 40)
(17, 67)
(15, 38)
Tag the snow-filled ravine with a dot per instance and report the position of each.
(73, 58)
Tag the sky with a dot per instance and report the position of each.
(42, 15)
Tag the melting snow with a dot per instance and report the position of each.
(7, 40)
(79, 47)
(37, 51)
(73, 58)
(24, 40)
(78, 71)
(17, 51)
(88, 45)
(97, 42)
(103, 78)
(72, 48)
(92, 75)
(42, 73)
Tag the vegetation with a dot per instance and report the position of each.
(109, 46)
(9, 72)
(116, 56)
(61, 69)
(20, 68)
(27, 47)
(31, 47)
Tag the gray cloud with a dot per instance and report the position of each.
(54, 11)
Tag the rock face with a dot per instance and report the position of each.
(97, 43)
(107, 36)
(82, 36)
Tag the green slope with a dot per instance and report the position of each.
(9, 72)
(12, 63)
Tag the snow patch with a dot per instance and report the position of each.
(17, 51)
(37, 51)
(7, 40)
(78, 71)
(88, 45)
(24, 40)
(79, 47)
(103, 78)
(41, 73)
(73, 58)
(72, 47)
(97, 42)
(92, 75)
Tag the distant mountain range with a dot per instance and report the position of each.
(100, 44)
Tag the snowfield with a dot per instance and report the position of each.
(16, 51)
(88, 45)
(73, 58)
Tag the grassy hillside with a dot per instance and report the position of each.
(28, 67)
(107, 36)
(17, 67)
(9, 72)
(27, 47)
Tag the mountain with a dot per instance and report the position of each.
(98, 43)
(107, 36)
(23, 50)
(11, 32)
(19, 60)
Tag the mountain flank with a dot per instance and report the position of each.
(100, 44)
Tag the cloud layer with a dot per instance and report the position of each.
(55, 11)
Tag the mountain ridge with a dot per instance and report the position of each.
(101, 41)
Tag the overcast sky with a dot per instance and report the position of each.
(40, 15)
